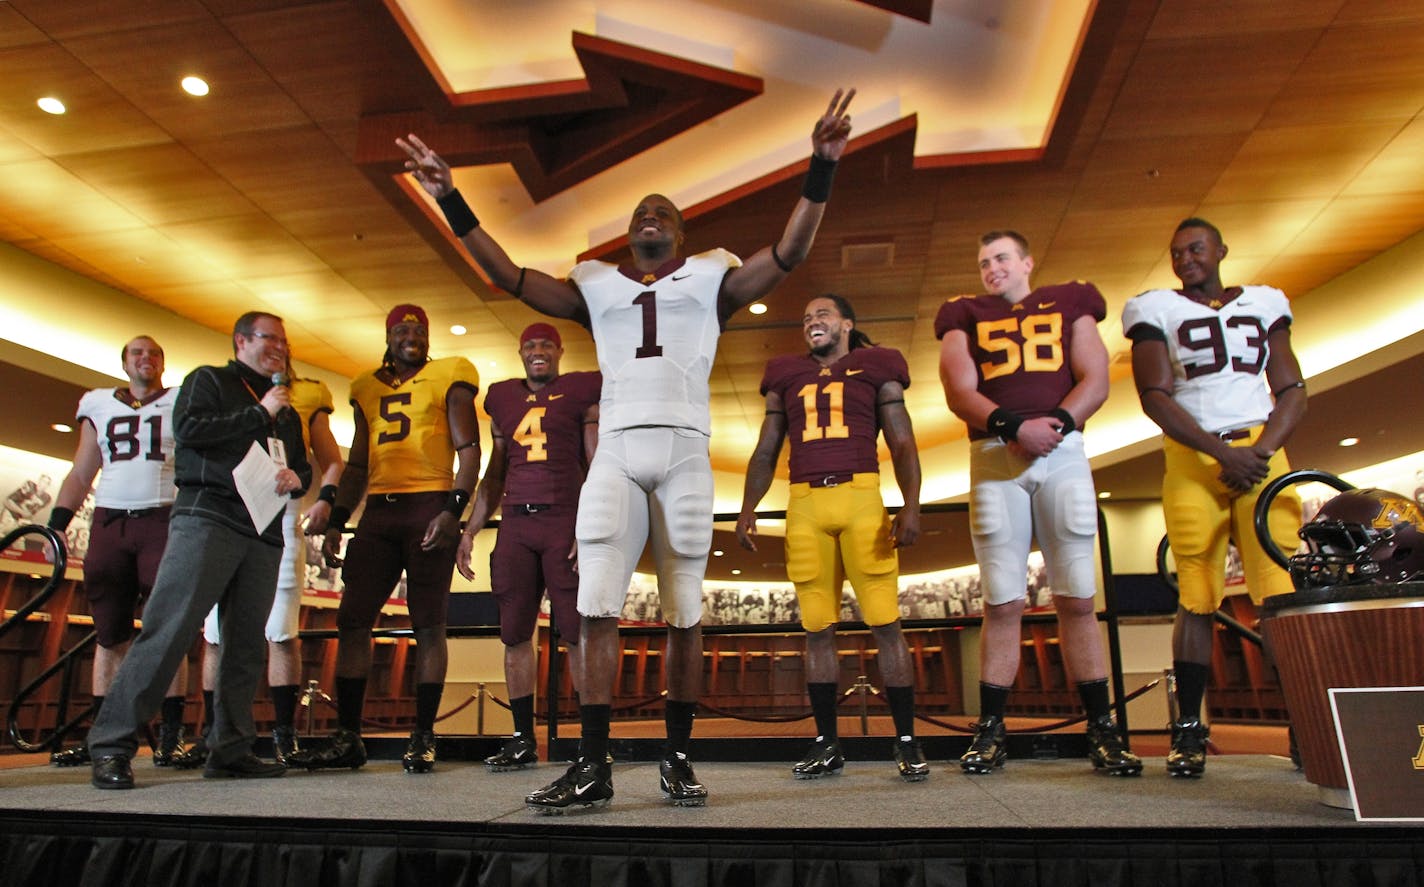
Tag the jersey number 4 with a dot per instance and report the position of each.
(835, 415)
(125, 438)
(530, 435)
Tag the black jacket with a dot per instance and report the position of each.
(216, 419)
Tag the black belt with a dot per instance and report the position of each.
(109, 515)
(1238, 434)
(528, 509)
(404, 497)
(831, 480)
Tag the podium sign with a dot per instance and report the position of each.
(1381, 735)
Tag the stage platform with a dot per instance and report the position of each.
(1252, 820)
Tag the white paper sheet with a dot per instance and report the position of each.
(256, 480)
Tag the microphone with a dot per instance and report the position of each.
(280, 378)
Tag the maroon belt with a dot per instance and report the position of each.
(1238, 434)
(831, 480)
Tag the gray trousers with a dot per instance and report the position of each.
(205, 564)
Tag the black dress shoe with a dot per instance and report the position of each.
(112, 771)
(248, 767)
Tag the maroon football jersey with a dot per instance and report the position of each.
(544, 433)
(831, 419)
(1023, 351)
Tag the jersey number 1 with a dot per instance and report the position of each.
(648, 301)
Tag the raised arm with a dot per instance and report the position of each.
(905, 458)
(761, 468)
(770, 265)
(542, 292)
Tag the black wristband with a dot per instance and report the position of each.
(458, 213)
(340, 514)
(1070, 424)
(817, 186)
(1005, 424)
(60, 517)
(327, 494)
(457, 502)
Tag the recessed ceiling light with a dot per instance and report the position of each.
(458, 329)
(1349, 441)
(494, 364)
(1104, 494)
(736, 572)
(757, 308)
(195, 86)
(717, 553)
(62, 428)
(51, 105)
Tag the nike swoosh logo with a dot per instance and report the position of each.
(854, 372)
(1047, 304)
(581, 790)
(683, 277)
(1243, 302)
(555, 396)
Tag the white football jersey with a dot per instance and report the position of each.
(656, 337)
(136, 444)
(1218, 355)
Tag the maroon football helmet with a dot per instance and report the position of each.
(1361, 536)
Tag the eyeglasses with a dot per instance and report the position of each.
(270, 337)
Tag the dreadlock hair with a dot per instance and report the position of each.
(857, 338)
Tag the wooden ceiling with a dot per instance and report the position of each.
(1296, 128)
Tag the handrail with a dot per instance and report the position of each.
(65, 663)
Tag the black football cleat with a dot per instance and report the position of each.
(518, 752)
(345, 750)
(824, 759)
(170, 746)
(419, 754)
(284, 743)
(196, 755)
(1107, 750)
(586, 785)
(78, 756)
(910, 758)
(678, 783)
(1188, 754)
(989, 749)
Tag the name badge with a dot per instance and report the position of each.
(278, 451)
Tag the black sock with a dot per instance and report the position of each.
(427, 704)
(208, 714)
(523, 711)
(284, 705)
(824, 697)
(677, 717)
(172, 710)
(350, 702)
(593, 745)
(1191, 687)
(1095, 698)
(902, 710)
(993, 699)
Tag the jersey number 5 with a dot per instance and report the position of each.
(1041, 352)
(399, 422)
(124, 441)
(530, 435)
(835, 415)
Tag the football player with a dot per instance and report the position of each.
(126, 439)
(543, 431)
(834, 403)
(655, 324)
(1025, 368)
(1214, 368)
(413, 417)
